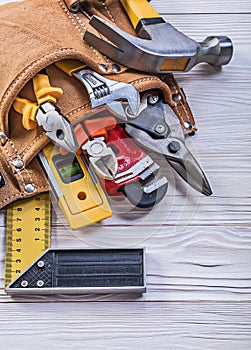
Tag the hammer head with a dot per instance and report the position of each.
(166, 49)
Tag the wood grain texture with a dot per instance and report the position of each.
(203, 6)
(198, 249)
(119, 326)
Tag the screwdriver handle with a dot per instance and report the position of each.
(28, 110)
(44, 91)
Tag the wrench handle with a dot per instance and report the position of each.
(140, 12)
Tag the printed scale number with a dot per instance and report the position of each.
(27, 233)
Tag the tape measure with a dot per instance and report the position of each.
(27, 233)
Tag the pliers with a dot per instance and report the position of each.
(44, 113)
(91, 136)
(157, 128)
(101, 157)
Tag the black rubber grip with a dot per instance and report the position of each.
(148, 21)
(135, 194)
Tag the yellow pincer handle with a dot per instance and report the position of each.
(44, 91)
(140, 11)
(28, 110)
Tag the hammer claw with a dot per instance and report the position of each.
(120, 45)
(107, 29)
(105, 47)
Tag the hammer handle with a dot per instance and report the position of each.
(70, 66)
(139, 12)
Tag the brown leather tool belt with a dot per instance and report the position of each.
(34, 34)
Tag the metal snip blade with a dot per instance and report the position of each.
(191, 172)
(181, 159)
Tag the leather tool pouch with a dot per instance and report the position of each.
(34, 34)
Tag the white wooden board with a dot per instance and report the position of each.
(198, 249)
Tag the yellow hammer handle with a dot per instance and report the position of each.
(70, 66)
(138, 10)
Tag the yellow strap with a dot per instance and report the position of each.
(44, 91)
(138, 9)
(28, 110)
(70, 66)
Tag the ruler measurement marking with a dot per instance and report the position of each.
(27, 233)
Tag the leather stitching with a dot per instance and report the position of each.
(144, 79)
(11, 197)
(80, 26)
(25, 170)
(16, 81)
(21, 194)
(78, 110)
(34, 141)
(108, 11)
(10, 160)
(81, 23)
(70, 17)
(175, 103)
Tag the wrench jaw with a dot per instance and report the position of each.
(101, 157)
(105, 91)
(145, 194)
(105, 166)
(136, 176)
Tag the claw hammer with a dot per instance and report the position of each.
(159, 47)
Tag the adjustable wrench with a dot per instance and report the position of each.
(100, 89)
